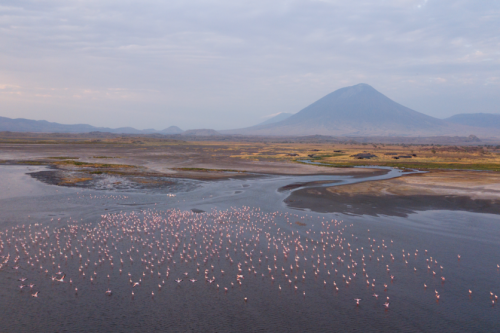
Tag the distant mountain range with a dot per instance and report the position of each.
(201, 132)
(486, 120)
(361, 110)
(356, 111)
(27, 125)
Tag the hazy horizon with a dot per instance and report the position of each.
(225, 65)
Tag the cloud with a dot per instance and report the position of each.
(223, 64)
(272, 115)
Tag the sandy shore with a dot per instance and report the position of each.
(451, 190)
(476, 185)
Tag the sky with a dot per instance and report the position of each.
(226, 64)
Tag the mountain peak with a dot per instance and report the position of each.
(361, 86)
(358, 110)
(351, 91)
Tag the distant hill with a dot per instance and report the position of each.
(486, 120)
(42, 126)
(172, 130)
(358, 110)
(201, 132)
(279, 117)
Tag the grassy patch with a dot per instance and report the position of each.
(74, 180)
(103, 157)
(320, 157)
(31, 162)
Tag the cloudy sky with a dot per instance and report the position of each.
(230, 63)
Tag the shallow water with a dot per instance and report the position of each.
(200, 306)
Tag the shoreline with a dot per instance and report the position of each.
(435, 190)
(154, 166)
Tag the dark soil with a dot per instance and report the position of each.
(320, 200)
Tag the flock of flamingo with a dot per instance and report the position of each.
(219, 249)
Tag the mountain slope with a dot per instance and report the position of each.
(486, 120)
(279, 117)
(358, 110)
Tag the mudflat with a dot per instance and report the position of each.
(193, 160)
(435, 190)
(143, 162)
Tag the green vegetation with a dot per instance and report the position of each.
(31, 162)
(74, 180)
(320, 157)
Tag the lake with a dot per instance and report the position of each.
(285, 270)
